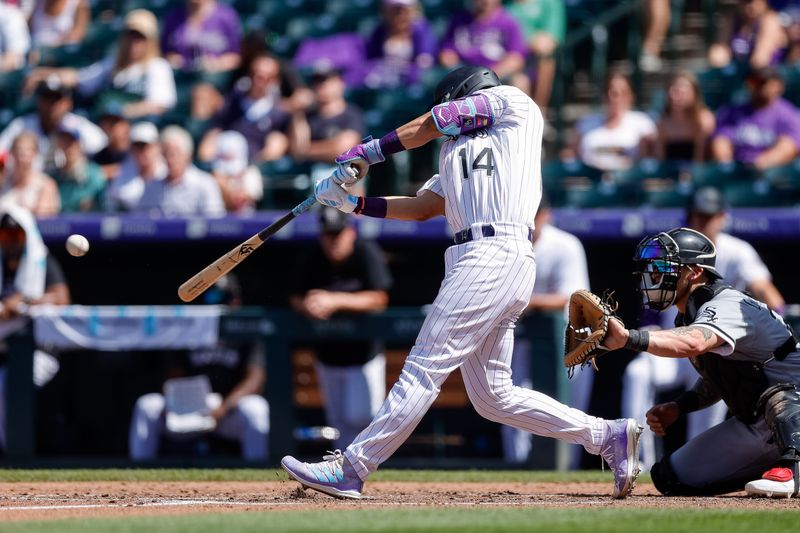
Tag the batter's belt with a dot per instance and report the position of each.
(495, 229)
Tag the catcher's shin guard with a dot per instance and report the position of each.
(781, 407)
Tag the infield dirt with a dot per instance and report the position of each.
(50, 500)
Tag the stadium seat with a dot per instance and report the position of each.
(401, 105)
(758, 193)
(718, 174)
(286, 183)
(363, 97)
(10, 87)
(667, 196)
(647, 169)
(196, 128)
(158, 7)
(557, 171)
(791, 77)
(722, 86)
(787, 176)
(441, 9)
(593, 195)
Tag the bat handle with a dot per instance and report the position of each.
(304, 206)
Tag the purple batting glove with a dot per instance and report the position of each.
(369, 151)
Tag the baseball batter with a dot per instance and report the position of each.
(745, 354)
(488, 188)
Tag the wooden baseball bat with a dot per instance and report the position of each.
(197, 284)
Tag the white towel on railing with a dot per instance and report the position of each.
(30, 276)
(118, 328)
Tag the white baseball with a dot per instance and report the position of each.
(77, 245)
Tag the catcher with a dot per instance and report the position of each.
(745, 354)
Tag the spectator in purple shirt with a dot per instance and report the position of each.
(765, 132)
(400, 46)
(202, 35)
(488, 36)
(253, 109)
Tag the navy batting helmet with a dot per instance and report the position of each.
(464, 81)
(659, 259)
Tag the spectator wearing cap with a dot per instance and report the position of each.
(737, 261)
(331, 124)
(487, 35)
(253, 109)
(240, 182)
(342, 273)
(402, 45)
(15, 40)
(146, 164)
(185, 190)
(202, 35)
(80, 182)
(137, 73)
(117, 128)
(59, 22)
(24, 184)
(53, 112)
(764, 132)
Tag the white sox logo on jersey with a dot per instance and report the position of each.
(709, 314)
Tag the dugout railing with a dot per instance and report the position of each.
(282, 330)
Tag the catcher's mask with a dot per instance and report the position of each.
(659, 260)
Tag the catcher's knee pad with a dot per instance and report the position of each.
(781, 407)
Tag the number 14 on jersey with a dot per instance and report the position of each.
(483, 161)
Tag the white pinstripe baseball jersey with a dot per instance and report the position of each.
(490, 176)
(494, 175)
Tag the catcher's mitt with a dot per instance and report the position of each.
(587, 327)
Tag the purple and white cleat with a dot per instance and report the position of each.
(333, 476)
(621, 452)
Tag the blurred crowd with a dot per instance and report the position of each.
(122, 109)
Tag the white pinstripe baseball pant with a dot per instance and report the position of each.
(488, 283)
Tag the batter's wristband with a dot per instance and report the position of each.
(390, 143)
(638, 340)
(688, 402)
(375, 207)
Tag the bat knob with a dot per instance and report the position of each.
(361, 168)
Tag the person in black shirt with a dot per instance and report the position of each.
(30, 276)
(117, 128)
(331, 126)
(236, 372)
(253, 109)
(344, 274)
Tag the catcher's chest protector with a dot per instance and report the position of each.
(740, 383)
